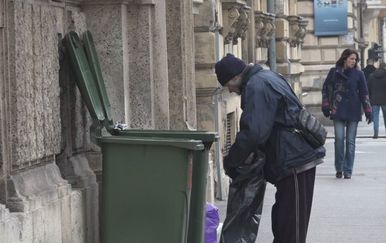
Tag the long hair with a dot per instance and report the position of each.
(345, 54)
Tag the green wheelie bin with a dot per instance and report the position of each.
(90, 81)
(200, 172)
(146, 188)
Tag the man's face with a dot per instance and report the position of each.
(234, 84)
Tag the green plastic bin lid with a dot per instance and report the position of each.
(189, 144)
(199, 135)
(88, 76)
(84, 76)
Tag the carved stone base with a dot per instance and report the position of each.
(42, 207)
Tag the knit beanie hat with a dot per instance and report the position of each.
(228, 67)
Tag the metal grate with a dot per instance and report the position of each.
(228, 133)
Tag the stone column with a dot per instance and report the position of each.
(290, 33)
(206, 81)
(106, 21)
(32, 126)
(131, 42)
(264, 29)
(3, 76)
(180, 47)
(148, 85)
(282, 35)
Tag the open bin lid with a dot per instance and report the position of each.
(88, 77)
(194, 145)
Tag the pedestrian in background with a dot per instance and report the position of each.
(344, 92)
(377, 91)
(369, 69)
(268, 124)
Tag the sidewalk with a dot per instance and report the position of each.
(344, 211)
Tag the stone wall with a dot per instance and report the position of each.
(50, 169)
(44, 127)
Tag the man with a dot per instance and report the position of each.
(267, 124)
(369, 69)
(377, 92)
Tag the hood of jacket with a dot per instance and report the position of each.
(379, 74)
(248, 72)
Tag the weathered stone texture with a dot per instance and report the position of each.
(328, 41)
(329, 55)
(141, 67)
(46, 217)
(180, 46)
(132, 50)
(282, 28)
(305, 7)
(311, 55)
(310, 40)
(206, 54)
(105, 23)
(35, 97)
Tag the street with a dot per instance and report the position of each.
(344, 211)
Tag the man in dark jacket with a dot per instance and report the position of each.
(377, 92)
(369, 69)
(267, 123)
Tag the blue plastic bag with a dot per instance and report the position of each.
(212, 221)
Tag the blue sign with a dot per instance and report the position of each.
(330, 17)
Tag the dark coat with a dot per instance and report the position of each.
(269, 110)
(368, 70)
(377, 87)
(344, 93)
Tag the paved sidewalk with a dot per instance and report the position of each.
(344, 211)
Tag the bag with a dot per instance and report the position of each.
(308, 125)
(311, 128)
(245, 202)
(212, 220)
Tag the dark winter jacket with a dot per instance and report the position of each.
(368, 70)
(377, 87)
(344, 92)
(269, 112)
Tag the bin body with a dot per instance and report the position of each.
(200, 172)
(146, 191)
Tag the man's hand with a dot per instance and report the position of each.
(229, 171)
(326, 112)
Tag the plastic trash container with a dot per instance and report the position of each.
(89, 79)
(196, 232)
(146, 189)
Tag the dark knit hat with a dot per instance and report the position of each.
(228, 67)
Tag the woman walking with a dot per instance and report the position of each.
(344, 92)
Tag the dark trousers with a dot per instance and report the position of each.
(292, 209)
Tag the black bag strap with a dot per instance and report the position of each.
(301, 106)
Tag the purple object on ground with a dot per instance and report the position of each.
(211, 223)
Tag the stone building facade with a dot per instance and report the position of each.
(157, 58)
(249, 30)
(321, 53)
(50, 170)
